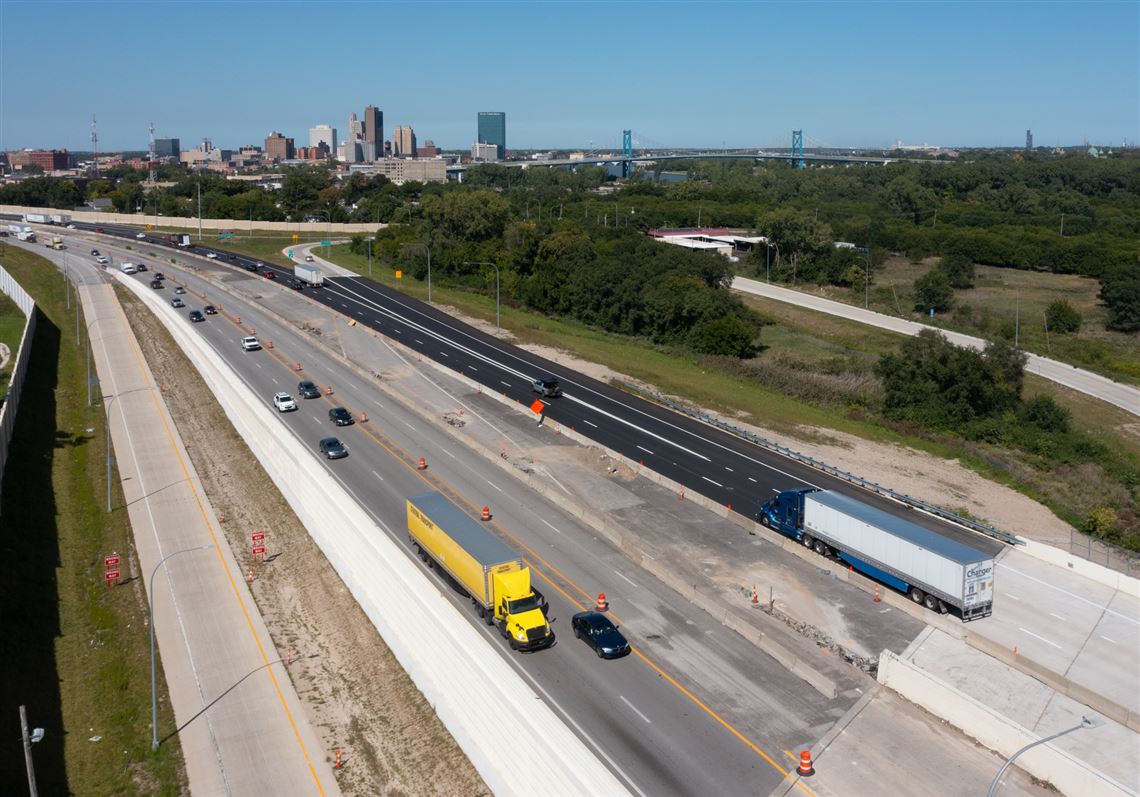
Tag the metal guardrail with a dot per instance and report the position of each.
(819, 465)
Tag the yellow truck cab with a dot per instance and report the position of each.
(483, 566)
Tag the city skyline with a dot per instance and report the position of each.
(684, 75)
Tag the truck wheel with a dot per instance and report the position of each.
(807, 541)
(931, 602)
(764, 521)
(821, 548)
(511, 641)
(916, 595)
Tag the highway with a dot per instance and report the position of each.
(687, 714)
(698, 709)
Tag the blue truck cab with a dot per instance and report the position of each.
(785, 513)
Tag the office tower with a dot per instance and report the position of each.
(373, 132)
(493, 130)
(325, 133)
(1029, 139)
(278, 148)
(404, 142)
(167, 148)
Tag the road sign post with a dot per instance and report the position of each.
(111, 563)
(258, 539)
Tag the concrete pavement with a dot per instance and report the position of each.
(1095, 385)
(241, 726)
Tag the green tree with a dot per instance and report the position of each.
(959, 269)
(728, 335)
(932, 290)
(1062, 318)
(795, 235)
(1046, 414)
(1122, 297)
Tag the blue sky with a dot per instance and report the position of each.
(567, 74)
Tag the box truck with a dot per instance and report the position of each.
(934, 570)
(22, 232)
(55, 243)
(60, 218)
(182, 240)
(310, 275)
(488, 571)
(37, 218)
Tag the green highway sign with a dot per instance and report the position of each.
(326, 243)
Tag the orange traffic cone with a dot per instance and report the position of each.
(876, 594)
(805, 768)
(486, 513)
(602, 603)
(423, 464)
(339, 761)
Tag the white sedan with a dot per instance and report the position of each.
(211, 255)
(140, 235)
(284, 402)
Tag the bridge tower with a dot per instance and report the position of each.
(798, 149)
(627, 153)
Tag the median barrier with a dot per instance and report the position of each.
(476, 692)
(995, 731)
(1083, 567)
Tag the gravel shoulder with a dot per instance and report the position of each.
(356, 694)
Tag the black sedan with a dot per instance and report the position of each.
(250, 267)
(196, 316)
(600, 634)
(306, 389)
(210, 310)
(341, 417)
(333, 448)
(95, 253)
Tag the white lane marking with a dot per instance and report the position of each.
(377, 475)
(345, 306)
(398, 330)
(1059, 617)
(354, 387)
(276, 382)
(443, 354)
(646, 450)
(417, 340)
(497, 487)
(1038, 636)
(1106, 639)
(1070, 594)
(619, 575)
(315, 418)
(473, 368)
(548, 523)
(409, 426)
(449, 453)
(1011, 595)
(633, 425)
(501, 382)
(258, 364)
(589, 423)
(730, 470)
(634, 709)
(751, 480)
(706, 478)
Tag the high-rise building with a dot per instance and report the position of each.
(427, 150)
(1029, 139)
(373, 132)
(404, 142)
(325, 133)
(278, 148)
(167, 148)
(493, 130)
(484, 152)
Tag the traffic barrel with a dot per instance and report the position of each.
(486, 515)
(602, 603)
(364, 417)
(422, 464)
(328, 390)
(269, 345)
(805, 768)
(249, 575)
(296, 366)
(239, 320)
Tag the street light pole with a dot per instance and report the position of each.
(199, 209)
(1095, 722)
(153, 689)
(370, 258)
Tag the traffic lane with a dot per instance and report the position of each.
(368, 481)
(740, 473)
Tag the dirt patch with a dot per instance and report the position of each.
(354, 691)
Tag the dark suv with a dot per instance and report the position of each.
(306, 389)
(546, 386)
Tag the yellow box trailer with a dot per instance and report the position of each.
(484, 566)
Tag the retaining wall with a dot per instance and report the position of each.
(233, 225)
(11, 406)
(995, 731)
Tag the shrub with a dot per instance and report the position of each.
(933, 290)
(1046, 414)
(1062, 318)
(959, 269)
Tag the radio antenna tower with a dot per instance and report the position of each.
(94, 145)
(151, 175)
